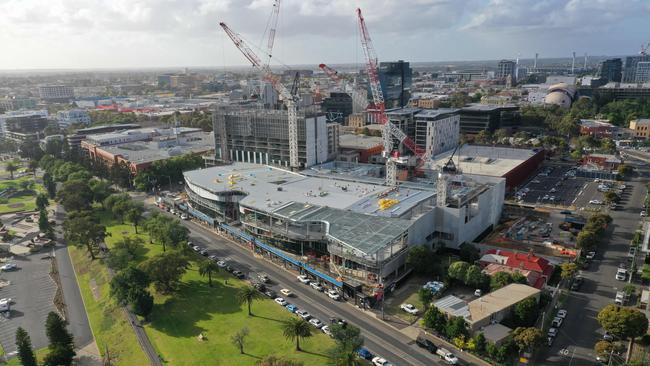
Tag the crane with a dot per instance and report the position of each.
(644, 49)
(359, 100)
(273, 23)
(289, 99)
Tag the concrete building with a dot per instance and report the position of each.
(360, 148)
(341, 214)
(337, 107)
(641, 128)
(14, 104)
(476, 117)
(597, 128)
(437, 130)
(642, 72)
(72, 116)
(601, 161)
(333, 133)
(56, 92)
(23, 125)
(262, 136)
(507, 68)
(611, 69)
(396, 79)
(630, 68)
(622, 91)
(74, 140)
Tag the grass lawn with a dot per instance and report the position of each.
(40, 354)
(196, 308)
(26, 202)
(393, 307)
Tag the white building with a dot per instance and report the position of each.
(55, 92)
(72, 116)
(438, 130)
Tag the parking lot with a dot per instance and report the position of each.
(32, 290)
(553, 185)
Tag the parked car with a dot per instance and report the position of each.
(204, 253)
(364, 353)
(221, 264)
(621, 274)
(264, 277)
(286, 292)
(620, 298)
(316, 286)
(238, 274)
(447, 356)
(303, 314)
(291, 307)
(632, 252)
(608, 337)
(478, 292)
(270, 293)
(549, 341)
(562, 313)
(315, 322)
(595, 202)
(590, 255)
(184, 217)
(213, 257)
(9, 267)
(378, 361)
(326, 330)
(281, 301)
(304, 279)
(259, 286)
(339, 321)
(557, 322)
(643, 214)
(333, 294)
(409, 308)
(426, 344)
(552, 332)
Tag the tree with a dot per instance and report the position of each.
(134, 215)
(526, 312)
(238, 339)
(165, 270)
(623, 322)
(499, 280)
(422, 259)
(347, 336)
(527, 338)
(474, 277)
(278, 361)
(43, 221)
(603, 348)
(456, 327)
(435, 319)
(569, 269)
(480, 342)
(101, 190)
(11, 166)
(61, 347)
(611, 197)
(49, 184)
(75, 195)
(458, 270)
(33, 166)
(469, 253)
(174, 234)
(624, 170)
(296, 329)
(247, 295)
(127, 281)
(425, 295)
(517, 277)
(339, 356)
(208, 268)
(82, 229)
(41, 201)
(24, 346)
(112, 200)
(141, 302)
(120, 208)
(586, 239)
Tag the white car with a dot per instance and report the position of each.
(286, 292)
(303, 314)
(316, 286)
(590, 255)
(552, 332)
(333, 295)
(221, 264)
(9, 267)
(184, 217)
(562, 313)
(643, 214)
(409, 309)
(478, 292)
(317, 323)
(379, 361)
(621, 274)
(595, 202)
(557, 322)
(326, 330)
(304, 279)
(281, 301)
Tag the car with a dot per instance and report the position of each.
(264, 277)
(190, 244)
(286, 292)
(197, 248)
(562, 313)
(632, 252)
(552, 198)
(291, 307)
(9, 267)
(478, 292)
(613, 207)
(621, 274)
(259, 286)
(536, 181)
(270, 293)
(315, 322)
(553, 190)
(643, 214)
(172, 211)
(379, 361)
(221, 264)
(590, 255)
(608, 337)
(622, 186)
(595, 202)
(549, 341)
(447, 356)
(409, 309)
(204, 253)
(316, 286)
(327, 330)
(239, 274)
(585, 264)
(333, 294)
(184, 217)
(552, 332)
(364, 353)
(213, 257)
(620, 298)
(342, 322)
(303, 314)
(426, 344)
(577, 283)
(281, 301)
(546, 196)
(566, 212)
(304, 279)
(557, 322)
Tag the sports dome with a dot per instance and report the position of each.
(560, 94)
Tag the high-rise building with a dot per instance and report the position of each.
(507, 68)
(642, 72)
(262, 137)
(437, 130)
(396, 79)
(612, 70)
(337, 107)
(629, 71)
(23, 125)
(56, 92)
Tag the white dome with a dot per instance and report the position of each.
(558, 98)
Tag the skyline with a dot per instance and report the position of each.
(74, 34)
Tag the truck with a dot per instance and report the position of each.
(447, 356)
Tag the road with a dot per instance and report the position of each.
(581, 329)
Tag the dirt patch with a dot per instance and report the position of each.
(94, 289)
(59, 302)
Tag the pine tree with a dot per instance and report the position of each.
(61, 342)
(25, 351)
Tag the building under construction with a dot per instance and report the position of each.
(343, 215)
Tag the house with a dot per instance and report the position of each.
(597, 128)
(602, 161)
(537, 270)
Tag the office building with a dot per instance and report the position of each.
(641, 128)
(620, 91)
(612, 70)
(74, 140)
(396, 79)
(14, 104)
(72, 116)
(337, 107)
(56, 93)
(333, 133)
(642, 72)
(630, 68)
(475, 118)
(23, 125)
(437, 130)
(262, 136)
(505, 69)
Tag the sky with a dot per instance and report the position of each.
(71, 34)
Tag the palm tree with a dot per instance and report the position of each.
(208, 268)
(296, 328)
(278, 361)
(247, 295)
(33, 165)
(11, 167)
(344, 356)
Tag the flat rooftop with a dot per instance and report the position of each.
(358, 142)
(149, 151)
(484, 160)
(500, 299)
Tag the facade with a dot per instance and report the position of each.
(601, 161)
(642, 72)
(359, 148)
(597, 128)
(612, 70)
(355, 227)
(475, 118)
(74, 140)
(631, 66)
(23, 125)
(333, 133)
(337, 107)
(14, 104)
(437, 130)
(56, 92)
(396, 79)
(641, 128)
(357, 120)
(621, 91)
(262, 136)
(507, 68)
(72, 116)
